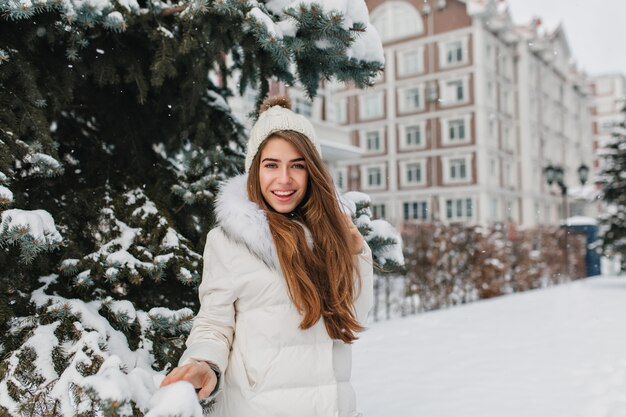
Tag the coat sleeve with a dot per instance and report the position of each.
(365, 295)
(213, 328)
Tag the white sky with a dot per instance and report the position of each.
(595, 29)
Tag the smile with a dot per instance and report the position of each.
(283, 193)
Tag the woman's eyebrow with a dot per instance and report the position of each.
(278, 160)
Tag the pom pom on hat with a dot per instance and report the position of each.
(276, 115)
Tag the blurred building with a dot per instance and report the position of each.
(608, 100)
(469, 111)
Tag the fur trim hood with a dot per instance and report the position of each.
(244, 222)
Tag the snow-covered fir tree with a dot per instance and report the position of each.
(114, 135)
(613, 180)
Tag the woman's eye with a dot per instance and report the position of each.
(298, 166)
(270, 165)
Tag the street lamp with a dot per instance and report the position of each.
(556, 174)
(583, 173)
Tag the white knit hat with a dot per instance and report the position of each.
(278, 116)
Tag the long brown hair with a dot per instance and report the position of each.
(320, 279)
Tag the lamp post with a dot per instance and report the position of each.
(555, 175)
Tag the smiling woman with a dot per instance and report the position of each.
(282, 174)
(287, 283)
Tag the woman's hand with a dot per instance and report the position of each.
(356, 239)
(199, 374)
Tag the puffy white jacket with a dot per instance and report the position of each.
(248, 326)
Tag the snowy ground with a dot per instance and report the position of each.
(559, 352)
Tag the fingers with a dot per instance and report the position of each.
(207, 389)
(174, 376)
(355, 235)
(199, 374)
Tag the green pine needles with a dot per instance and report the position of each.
(115, 133)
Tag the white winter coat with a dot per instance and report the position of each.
(248, 326)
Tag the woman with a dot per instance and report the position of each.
(287, 281)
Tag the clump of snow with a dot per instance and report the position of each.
(6, 196)
(258, 15)
(123, 307)
(185, 273)
(115, 20)
(169, 314)
(112, 383)
(218, 101)
(121, 257)
(163, 259)
(171, 239)
(182, 394)
(165, 32)
(277, 6)
(384, 230)
(367, 45)
(42, 164)
(67, 263)
(3, 178)
(43, 341)
(581, 221)
(587, 192)
(358, 197)
(130, 5)
(147, 209)
(288, 27)
(37, 223)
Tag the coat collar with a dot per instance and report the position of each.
(244, 222)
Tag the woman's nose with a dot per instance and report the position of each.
(284, 176)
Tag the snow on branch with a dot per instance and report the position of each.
(33, 231)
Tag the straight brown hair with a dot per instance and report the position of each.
(321, 279)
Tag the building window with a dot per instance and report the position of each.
(340, 112)
(378, 211)
(415, 210)
(459, 209)
(303, 107)
(374, 176)
(455, 90)
(372, 141)
(396, 19)
(456, 130)
(413, 173)
(413, 136)
(371, 106)
(457, 169)
(410, 62)
(493, 204)
(453, 53)
(508, 180)
(341, 176)
(411, 99)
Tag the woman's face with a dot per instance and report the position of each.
(283, 175)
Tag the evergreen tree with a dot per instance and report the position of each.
(613, 180)
(114, 134)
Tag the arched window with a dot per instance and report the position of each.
(396, 19)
